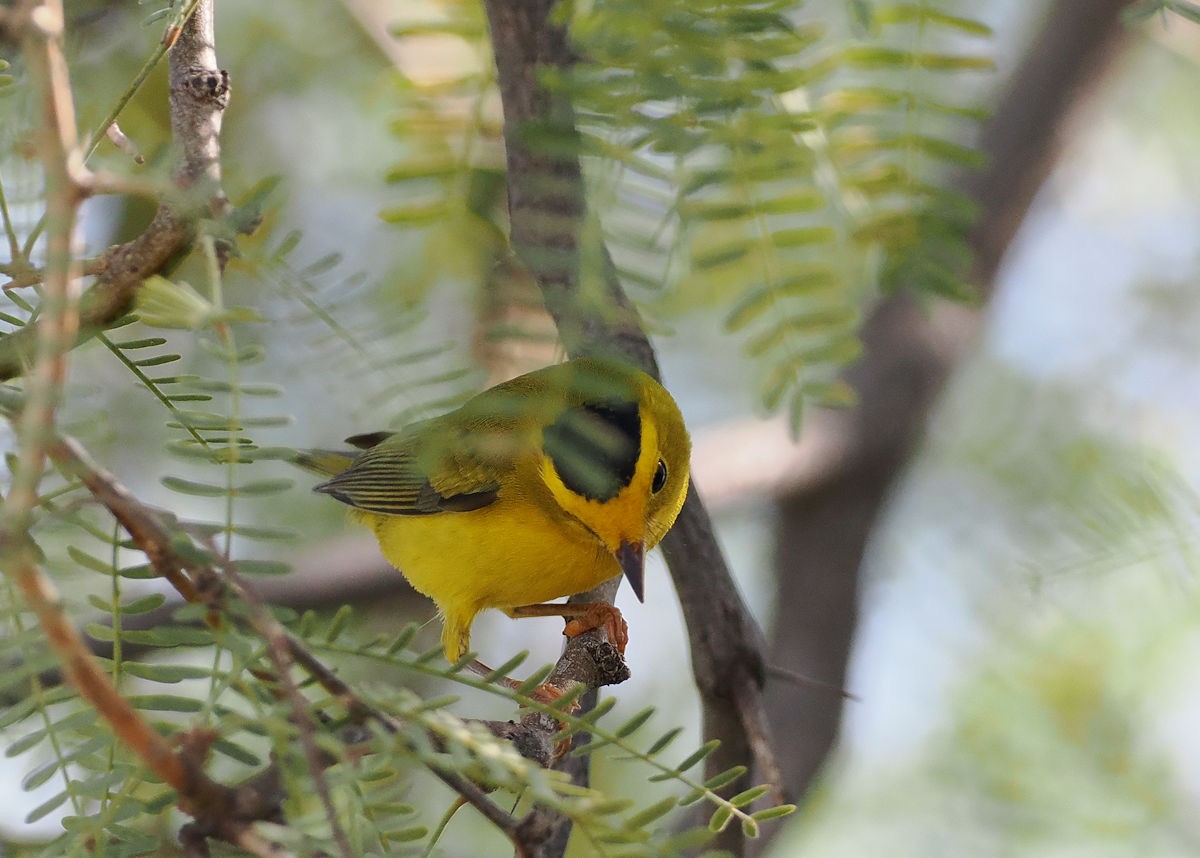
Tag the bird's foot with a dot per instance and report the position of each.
(581, 617)
(596, 615)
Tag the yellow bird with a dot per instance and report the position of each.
(537, 488)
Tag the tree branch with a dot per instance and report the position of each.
(547, 212)
(199, 92)
(198, 795)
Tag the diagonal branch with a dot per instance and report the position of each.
(548, 211)
(200, 583)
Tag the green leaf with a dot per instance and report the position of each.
(601, 709)
(692, 797)
(774, 812)
(798, 282)
(163, 800)
(663, 741)
(159, 360)
(236, 752)
(715, 210)
(192, 487)
(747, 796)
(835, 394)
(137, 606)
(802, 236)
(405, 835)
(792, 203)
(723, 254)
(165, 703)
(206, 420)
(877, 57)
(417, 216)
(921, 14)
(139, 572)
(423, 169)
(701, 753)
(535, 679)
(404, 638)
(720, 818)
(165, 673)
(169, 636)
(565, 701)
(87, 561)
(264, 534)
(659, 809)
(500, 672)
(338, 624)
(18, 712)
(258, 488)
(725, 778)
(47, 807)
(635, 723)
(264, 567)
(100, 632)
(145, 343)
(827, 322)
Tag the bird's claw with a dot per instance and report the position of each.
(601, 615)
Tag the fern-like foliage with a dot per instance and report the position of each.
(771, 165)
(743, 158)
(450, 182)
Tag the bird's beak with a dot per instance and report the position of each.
(632, 556)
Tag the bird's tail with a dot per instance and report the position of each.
(327, 463)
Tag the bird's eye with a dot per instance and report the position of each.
(660, 477)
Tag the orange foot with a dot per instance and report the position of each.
(595, 615)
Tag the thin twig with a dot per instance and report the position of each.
(150, 531)
(199, 92)
(280, 646)
(43, 32)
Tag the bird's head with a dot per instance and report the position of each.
(616, 459)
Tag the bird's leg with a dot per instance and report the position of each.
(545, 693)
(581, 617)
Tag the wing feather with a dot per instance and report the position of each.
(439, 468)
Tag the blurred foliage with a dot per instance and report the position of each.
(1055, 718)
(740, 157)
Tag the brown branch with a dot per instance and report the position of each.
(547, 212)
(280, 646)
(151, 531)
(198, 795)
(199, 92)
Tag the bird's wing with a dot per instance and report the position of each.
(432, 467)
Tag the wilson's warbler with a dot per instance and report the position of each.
(538, 488)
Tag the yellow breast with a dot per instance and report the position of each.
(505, 555)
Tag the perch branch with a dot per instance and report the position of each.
(547, 214)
